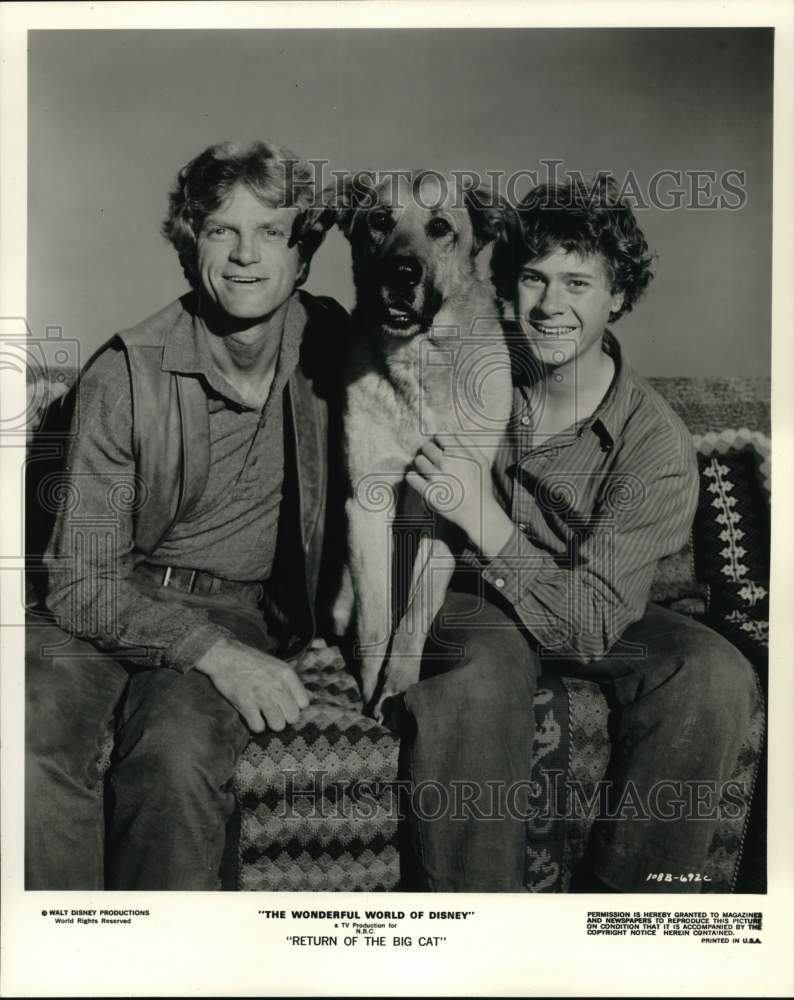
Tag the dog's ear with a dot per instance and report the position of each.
(487, 211)
(310, 227)
(348, 196)
(308, 232)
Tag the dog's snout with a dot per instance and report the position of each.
(402, 272)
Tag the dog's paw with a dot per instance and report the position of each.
(399, 676)
(388, 710)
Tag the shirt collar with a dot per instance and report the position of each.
(610, 414)
(608, 418)
(186, 351)
(182, 351)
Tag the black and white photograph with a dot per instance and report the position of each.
(387, 447)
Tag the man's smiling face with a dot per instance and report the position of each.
(246, 266)
(563, 303)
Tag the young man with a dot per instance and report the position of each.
(595, 482)
(196, 481)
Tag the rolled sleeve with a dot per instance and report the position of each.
(577, 604)
(184, 653)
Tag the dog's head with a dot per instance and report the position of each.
(414, 236)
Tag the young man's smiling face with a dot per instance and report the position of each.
(563, 303)
(246, 266)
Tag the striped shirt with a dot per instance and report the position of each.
(594, 508)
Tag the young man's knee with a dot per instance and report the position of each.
(499, 694)
(492, 689)
(497, 644)
(718, 677)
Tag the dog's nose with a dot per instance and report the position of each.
(402, 272)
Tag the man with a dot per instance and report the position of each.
(198, 469)
(595, 482)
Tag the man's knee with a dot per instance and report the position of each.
(69, 706)
(168, 767)
(181, 737)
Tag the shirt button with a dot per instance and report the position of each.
(522, 526)
(498, 583)
(525, 420)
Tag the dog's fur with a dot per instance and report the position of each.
(428, 357)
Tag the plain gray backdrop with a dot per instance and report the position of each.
(114, 114)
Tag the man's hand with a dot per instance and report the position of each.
(265, 691)
(466, 471)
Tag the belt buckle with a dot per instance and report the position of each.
(167, 579)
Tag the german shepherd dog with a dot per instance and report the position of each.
(427, 358)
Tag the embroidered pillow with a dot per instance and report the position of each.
(732, 524)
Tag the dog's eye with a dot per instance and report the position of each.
(380, 220)
(438, 227)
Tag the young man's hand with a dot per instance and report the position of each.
(461, 467)
(265, 691)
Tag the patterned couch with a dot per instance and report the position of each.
(319, 804)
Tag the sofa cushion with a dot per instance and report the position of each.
(318, 802)
(320, 805)
(708, 403)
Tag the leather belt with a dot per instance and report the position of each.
(199, 581)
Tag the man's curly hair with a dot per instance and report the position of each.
(579, 216)
(273, 174)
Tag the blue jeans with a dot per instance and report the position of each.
(177, 744)
(681, 712)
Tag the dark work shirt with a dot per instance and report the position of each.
(231, 531)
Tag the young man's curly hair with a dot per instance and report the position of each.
(274, 174)
(579, 216)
